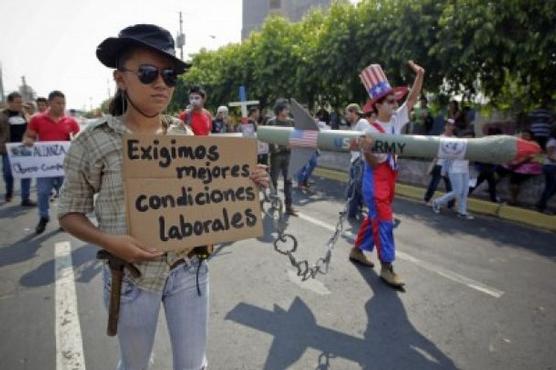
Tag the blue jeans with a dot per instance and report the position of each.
(44, 190)
(460, 191)
(306, 171)
(9, 180)
(186, 317)
(354, 193)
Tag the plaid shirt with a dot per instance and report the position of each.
(93, 182)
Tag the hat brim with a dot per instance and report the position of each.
(110, 49)
(399, 94)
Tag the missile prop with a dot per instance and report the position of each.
(305, 138)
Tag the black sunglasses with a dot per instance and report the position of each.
(147, 74)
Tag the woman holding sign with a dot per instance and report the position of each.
(146, 72)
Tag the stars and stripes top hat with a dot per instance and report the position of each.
(377, 86)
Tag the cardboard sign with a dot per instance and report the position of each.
(186, 191)
(43, 159)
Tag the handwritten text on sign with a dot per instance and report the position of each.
(43, 159)
(185, 191)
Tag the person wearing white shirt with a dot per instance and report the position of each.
(458, 172)
(436, 169)
(380, 170)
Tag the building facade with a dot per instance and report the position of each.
(256, 11)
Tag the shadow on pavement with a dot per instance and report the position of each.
(390, 341)
(499, 232)
(15, 210)
(85, 265)
(23, 249)
(302, 198)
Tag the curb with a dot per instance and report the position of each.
(499, 210)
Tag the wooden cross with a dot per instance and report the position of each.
(243, 102)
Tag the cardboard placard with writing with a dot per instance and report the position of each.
(186, 191)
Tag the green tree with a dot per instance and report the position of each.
(493, 45)
(504, 50)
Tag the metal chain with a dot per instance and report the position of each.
(286, 244)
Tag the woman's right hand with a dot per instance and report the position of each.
(130, 249)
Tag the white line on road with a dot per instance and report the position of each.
(473, 284)
(69, 345)
(454, 276)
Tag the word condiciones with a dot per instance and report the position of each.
(189, 198)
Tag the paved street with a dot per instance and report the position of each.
(480, 295)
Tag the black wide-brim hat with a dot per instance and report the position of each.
(140, 35)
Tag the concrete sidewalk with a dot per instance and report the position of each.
(515, 214)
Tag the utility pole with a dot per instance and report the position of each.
(180, 39)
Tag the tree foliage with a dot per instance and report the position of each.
(504, 50)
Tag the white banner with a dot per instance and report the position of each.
(452, 148)
(43, 159)
(262, 147)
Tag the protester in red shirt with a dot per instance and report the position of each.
(198, 118)
(52, 125)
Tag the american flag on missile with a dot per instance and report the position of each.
(374, 80)
(303, 138)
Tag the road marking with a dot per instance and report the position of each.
(69, 345)
(453, 276)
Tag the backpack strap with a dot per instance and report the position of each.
(378, 127)
(391, 159)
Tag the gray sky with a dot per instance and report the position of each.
(53, 42)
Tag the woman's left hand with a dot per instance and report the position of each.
(260, 176)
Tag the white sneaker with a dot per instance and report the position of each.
(435, 207)
(466, 216)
